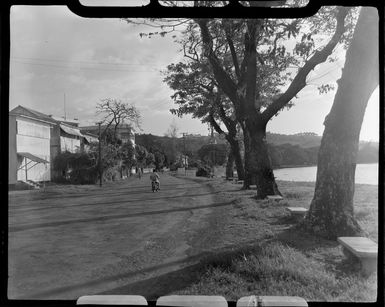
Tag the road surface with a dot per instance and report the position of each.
(117, 239)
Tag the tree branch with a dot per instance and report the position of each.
(224, 81)
(251, 65)
(215, 124)
(299, 81)
(232, 49)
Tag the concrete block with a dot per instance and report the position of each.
(112, 300)
(364, 249)
(248, 301)
(281, 301)
(192, 301)
(274, 197)
(297, 211)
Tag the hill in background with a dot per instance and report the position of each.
(304, 139)
(285, 150)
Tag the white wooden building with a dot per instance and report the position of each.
(35, 139)
(29, 147)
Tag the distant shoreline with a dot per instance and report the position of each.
(310, 165)
(366, 173)
(293, 166)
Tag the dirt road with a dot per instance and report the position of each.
(117, 239)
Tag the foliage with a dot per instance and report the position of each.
(141, 154)
(171, 148)
(195, 163)
(126, 153)
(195, 90)
(292, 155)
(115, 158)
(304, 139)
(146, 158)
(285, 150)
(203, 171)
(76, 168)
(150, 160)
(213, 154)
(259, 65)
(159, 159)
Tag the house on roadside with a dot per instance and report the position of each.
(35, 139)
(30, 137)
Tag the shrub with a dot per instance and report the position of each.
(203, 171)
(75, 168)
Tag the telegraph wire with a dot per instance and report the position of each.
(84, 68)
(83, 62)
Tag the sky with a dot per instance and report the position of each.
(63, 64)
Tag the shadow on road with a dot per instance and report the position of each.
(51, 195)
(153, 197)
(128, 190)
(154, 287)
(165, 283)
(112, 217)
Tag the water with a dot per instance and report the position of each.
(365, 173)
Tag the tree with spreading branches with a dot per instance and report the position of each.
(261, 53)
(248, 56)
(116, 113)
(196, 93)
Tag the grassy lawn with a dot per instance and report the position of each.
(260, 251)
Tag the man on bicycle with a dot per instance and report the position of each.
(155, 178)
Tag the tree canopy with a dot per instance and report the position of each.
(252, 68)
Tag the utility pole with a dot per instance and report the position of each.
(65, 113)
(184, 149)
(100, 157)
(213, 143)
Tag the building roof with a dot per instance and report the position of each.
(20, 110)
(90, 138)
(71, 130)
(84, 132)
(67, 127)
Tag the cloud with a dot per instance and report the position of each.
(62, 53)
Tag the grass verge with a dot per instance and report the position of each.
(261, 251)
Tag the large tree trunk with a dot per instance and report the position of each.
(235, 150)
(230, 165)
(231, 137)
(331, 211)
(258, 168)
